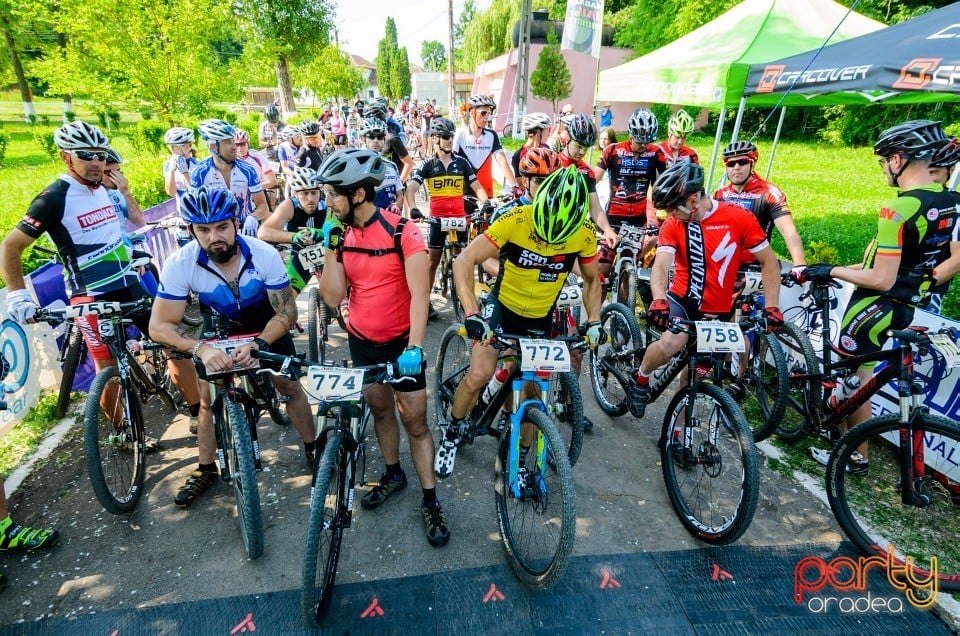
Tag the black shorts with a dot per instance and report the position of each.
(502, 320)
(866, 320)
(365, 353)
(284, 346)
(686, 310)
(438, 237)
(340, 140)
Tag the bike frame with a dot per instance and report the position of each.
(225, 387)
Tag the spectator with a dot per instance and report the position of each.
(606, 117)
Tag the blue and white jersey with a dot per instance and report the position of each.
(246, 305)
(119, 204)
(389, 187)
(244, 181)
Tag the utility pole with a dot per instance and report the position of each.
(523, 68)
(451, 66)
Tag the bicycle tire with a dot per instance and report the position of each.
(453, 360)
(619, 355)
(804, 396)
(316, 327)
(861, 504)
(566, 408)
(457, 306)
(626, 286)
(244, 478)
(71, 361)
(766, 375)
(724, 517)
(116, 458)
(550, 506)
(508, 130)
(321, 550)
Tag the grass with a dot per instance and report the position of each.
(27, 434)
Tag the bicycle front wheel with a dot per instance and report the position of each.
(244, 478)
(612, 362)
(321, 551)
(566, 408)
(114, 442)
(713, 477)
(868, 501)
(316, 326)
(804, 390)
(626, 288)
(536, 510)
(767, 381)
(453, 361)
(71, 360)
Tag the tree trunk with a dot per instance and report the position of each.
(287, 104)
(68, 98)
(29, 112)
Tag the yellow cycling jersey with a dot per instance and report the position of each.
(532, 272)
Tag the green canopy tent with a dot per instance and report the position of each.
(709, 66)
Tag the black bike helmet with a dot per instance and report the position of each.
(375, 109)
(916, 139)
(272, 113)
(741, 149)
(309, 128)
(582, 130)
(442, 126)
(676, 183)
(947, 156)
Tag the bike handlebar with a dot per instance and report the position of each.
(292, 367)
(101, 308)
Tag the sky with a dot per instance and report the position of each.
(361, 23)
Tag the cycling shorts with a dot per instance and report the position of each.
(866, 320)
(502, 320)
(340, 140)
(366, 352)
(687, 309)
(89, 324)
(438, 238)
(284, 346)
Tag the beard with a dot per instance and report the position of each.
(222, 255)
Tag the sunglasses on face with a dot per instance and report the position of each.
(737, 162)
(445, 137)
(90, 155)
(243, 143)
(375, 136)
(536, 180)
(483, 113)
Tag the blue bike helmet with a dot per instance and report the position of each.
(208, 205)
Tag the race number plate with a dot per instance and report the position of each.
(753, 283)
(328, 384)
(228, 346)
(714, 336)
(570, 295)
(947, 348)
(544, 355)
(311, 257)
(458, 224)
(630, 234)
(92, 309)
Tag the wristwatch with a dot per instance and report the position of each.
(261, 344)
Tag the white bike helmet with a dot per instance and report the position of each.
(178, 135)
(535, 121)
(352, 167)
(373, 125)
(304, 179)
(80, 135)
(216, 130)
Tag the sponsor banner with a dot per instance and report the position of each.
(582, 27)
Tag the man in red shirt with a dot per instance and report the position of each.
(702, 244)
(582, 137)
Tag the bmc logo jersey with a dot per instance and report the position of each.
(446, 185)
(764, 199)
(706, 255)
(479, 151)
(244, 181)
(84, 226)
(630, 177)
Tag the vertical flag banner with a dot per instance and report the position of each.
(582, 27)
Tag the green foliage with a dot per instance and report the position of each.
(822, 252)
(147, 138)
(434, 56)
(662, 113)
(44, 138)
(27, 434)
(4, 142)
(489, 33)
(551, 79)
(330, 73)
(393, 66)
(145, 175)
(146, 113)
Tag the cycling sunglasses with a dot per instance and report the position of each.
(375, 136)
(445, 137)
(90, 155)
(737, 162)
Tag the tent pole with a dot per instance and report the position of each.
(739, 119)
(716, 147)
(776, 139)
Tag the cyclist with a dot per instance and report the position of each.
(534, 124)
(941, 167)
(701, 245)
(582, 134)
(78, 216)
(381, 259)
(290, 143)
(633, 166)
(765, 200)
(241, 280)
(118, 189)
(374, 133)
(338, 127)
(903, 261)
(268, 132)
(425, 118)
(268, 178)
(447, 176)
(177, 168)
(310, 153)
(394, 149)
(354, 121)
(298, 221)
(222, 170)
(538, 245)
(943, 162)
(679, 126)
(480, 145)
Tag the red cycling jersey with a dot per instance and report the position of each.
(582, 168)
(706, 255)
(762, 198)
(630, 176)
(684, 152)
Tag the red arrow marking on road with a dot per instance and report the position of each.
(719, 574)
(493, 594)
(246, 625)
(373, 609)
(608, 581)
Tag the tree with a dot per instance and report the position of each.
(489, 33)
(434, 56)
(393, 65)
(289, 32)
(9, 20)
(551, 79)
(403, 83)
(330, 74)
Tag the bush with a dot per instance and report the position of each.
(44, 138)
(70, 115)
(4, 142)
(146, 113)
(146, 181)
(147, 138)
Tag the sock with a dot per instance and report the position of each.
(308, 447)
(430, 497)
(208, 468)
(641, 378)
(194, 409)
(394, 470)
(453, 431)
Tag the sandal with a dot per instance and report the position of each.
(197, 483)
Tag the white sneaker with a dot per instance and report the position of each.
(446, 456)
(820, 455)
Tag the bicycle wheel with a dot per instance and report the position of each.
(455, 301)
(566, 410)
(321, 550)
(713, 482)
(508, 130)
(71, 360)
(113, 439)
(612, 362)
(626, 288)
(804, 395)
(766, 380)
(453, 361)
(316, 326)
(537, 527)
(244, 477)
(870, 509)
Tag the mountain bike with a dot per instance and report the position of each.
(319, 316)
(455, 227)
(533, 480)
(114, 435)
(622, 282)
(709, 460)
(893, 481)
